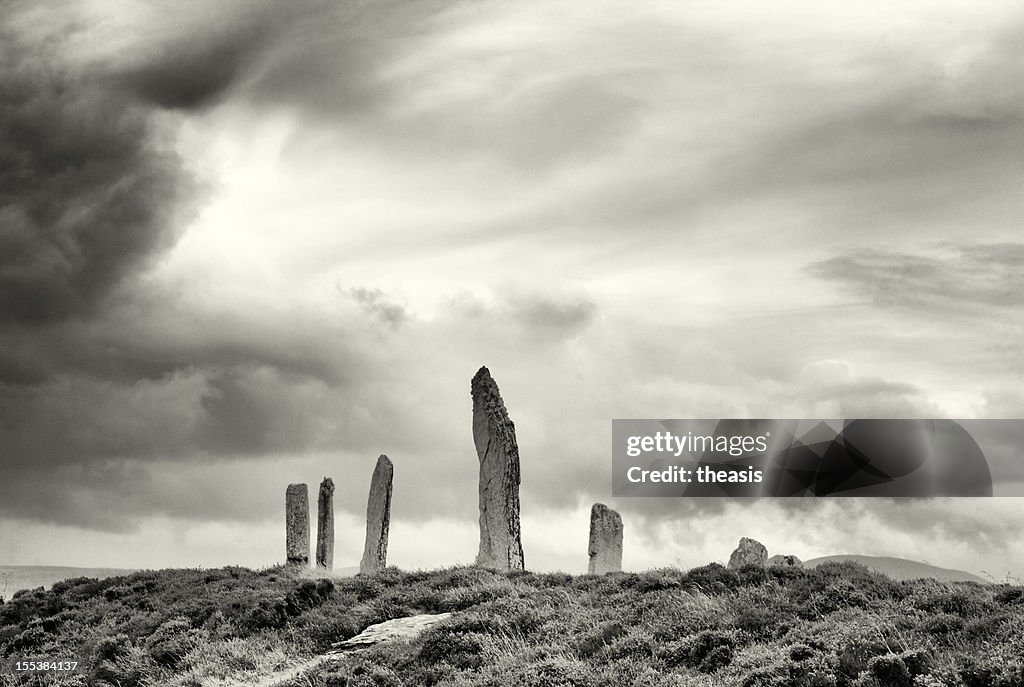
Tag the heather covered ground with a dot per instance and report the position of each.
(838, 624)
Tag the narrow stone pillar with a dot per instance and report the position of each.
(378, 518)
(297, 524)
(495, 438)
(325, 525)
(605, 548)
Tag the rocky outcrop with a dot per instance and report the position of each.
(605, 546)
(296, 509)
(378, 518)
(749, 552)
(325, 525)
(786, 561)
(402, 629)
(495, 438)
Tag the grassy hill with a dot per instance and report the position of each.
(901, 568)
(14, 578)
(837, 624)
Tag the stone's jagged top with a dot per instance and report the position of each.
(603, 513)
(605, 544)
(749, 552)
(378, 517)
(325, 525)
(495, 440)
(484, 391)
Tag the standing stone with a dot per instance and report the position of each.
(378, 518)
(605, 549)
(495, 439)
(749, 552)
(786, 561)
(297, 524)
(325, 525)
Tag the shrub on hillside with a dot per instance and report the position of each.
(170, 642)
(713, 578)
(461, 649)
(556, 671)
(707, 652)
(874, 586)
(255, 615)
(995, 669)
(894, 670)
(636, 645)
(462, 598)
(308, 594)
(591, 643)
(373, 676)
(1009, 596)
(652, 580)
(966, 600)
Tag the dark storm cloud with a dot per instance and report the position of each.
(86, 196)
(175, 383)
(120, 405)
(196, 68)
(970, 276)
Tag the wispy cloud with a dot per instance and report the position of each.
(965, 277)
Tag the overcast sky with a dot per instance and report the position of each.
(244, 244)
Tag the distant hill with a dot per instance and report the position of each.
(16, 577)
(901, 569)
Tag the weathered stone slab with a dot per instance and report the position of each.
(325, 525)
(749, 552)
(378, 518)
(605, 546)
(495, 439)
(296, 507)
(786, 561)
(400, 628)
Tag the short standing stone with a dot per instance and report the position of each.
(378, 518)
(297, 524)
(749, 552)
(605, 547)
(495, 438)
(786, 561)
(325, 525)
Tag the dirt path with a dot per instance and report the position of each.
(388, 631)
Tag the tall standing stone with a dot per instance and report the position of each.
(325, 525)
(378, 518)
(749, 552)
(297, 524)
(605, 548)
(495, 439)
